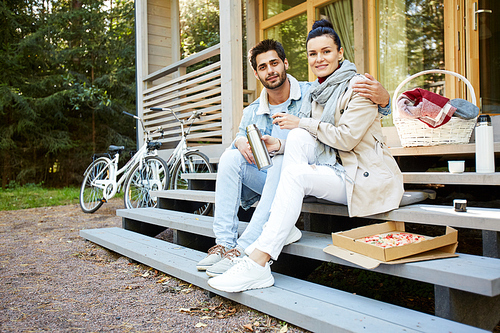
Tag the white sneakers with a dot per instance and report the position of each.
(227, 262)
(232, 271)
(244, 275)
(215, 254)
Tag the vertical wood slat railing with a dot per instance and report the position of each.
(197, 90)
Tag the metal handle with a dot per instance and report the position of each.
(479, 11)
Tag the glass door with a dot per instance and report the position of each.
(482, 60)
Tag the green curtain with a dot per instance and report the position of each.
(340, 14)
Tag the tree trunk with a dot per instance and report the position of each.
(6, 168)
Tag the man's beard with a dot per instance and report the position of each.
(282, 79)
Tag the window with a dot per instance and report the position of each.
(275, 7)
(292, 34)
(409, 42)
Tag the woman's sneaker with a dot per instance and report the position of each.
(294, 235)
(215, 254)
(244, 275)
(227, 262)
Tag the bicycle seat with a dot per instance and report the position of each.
(152, 145)
(114, 149)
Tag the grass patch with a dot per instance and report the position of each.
(16, 197)
(35, 195)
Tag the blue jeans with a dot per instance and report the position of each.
(236, 178)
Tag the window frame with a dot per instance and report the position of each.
(311, 8)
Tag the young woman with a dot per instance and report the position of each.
(336, 154)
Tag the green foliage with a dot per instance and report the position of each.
(199, 29)
(199, 25)
(68, 72)
(425, 37)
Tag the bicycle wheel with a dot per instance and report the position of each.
(152, 176)
(194, 162)
(92, 197)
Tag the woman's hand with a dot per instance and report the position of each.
(285, 120)
(272, 143)
(245, 150)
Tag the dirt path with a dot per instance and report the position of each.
(53, 280)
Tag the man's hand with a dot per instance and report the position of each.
(245, 150)
(272, 143)
(285, 120)
(373, 90)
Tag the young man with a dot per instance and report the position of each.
(239, 182)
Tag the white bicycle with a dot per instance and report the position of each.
(187, 160)
(143, 173)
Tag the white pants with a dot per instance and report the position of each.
(298, 179)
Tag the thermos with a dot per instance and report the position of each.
(259, 150)
(485, 155)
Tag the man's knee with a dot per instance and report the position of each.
(231, 158)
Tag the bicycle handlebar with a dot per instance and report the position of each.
(130, 114)
(138, 118)
(195, 114)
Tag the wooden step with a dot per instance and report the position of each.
(449, 151)
(307, 305)
(468, 149)
(479, 275)
(474, 218)
(444, 178)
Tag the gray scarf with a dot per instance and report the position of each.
(327, 95)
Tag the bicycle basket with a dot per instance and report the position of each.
(413, 132)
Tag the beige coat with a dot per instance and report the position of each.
(374, 182)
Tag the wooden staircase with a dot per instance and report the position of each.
(470, 284)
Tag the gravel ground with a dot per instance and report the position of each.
(53, 280)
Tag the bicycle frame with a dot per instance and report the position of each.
(181, 149)
(138, 158)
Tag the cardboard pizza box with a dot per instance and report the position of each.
(370, 256)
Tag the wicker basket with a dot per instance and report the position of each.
(413, 132)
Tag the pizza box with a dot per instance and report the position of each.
(368, 255)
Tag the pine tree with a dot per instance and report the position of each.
(70, 74)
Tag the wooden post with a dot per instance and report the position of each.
(252, 39)
(232, 68)
(141, 37)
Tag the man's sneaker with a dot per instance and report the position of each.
(294, 235)
(215, 254)
(227, 262)
(244, 275)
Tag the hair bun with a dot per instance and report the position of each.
(322, 24)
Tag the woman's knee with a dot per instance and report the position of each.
(296, 173)
(298, 136)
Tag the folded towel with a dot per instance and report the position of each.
(428, 107)
(465, 109)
